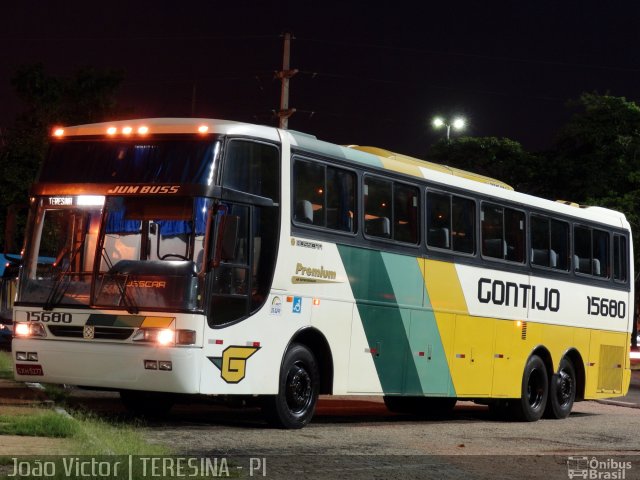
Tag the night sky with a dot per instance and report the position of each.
(371, 73)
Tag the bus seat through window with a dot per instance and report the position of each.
(439, 238)
(378, 227)
(494, 247)
(304, 211)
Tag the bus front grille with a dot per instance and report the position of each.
(99, 333)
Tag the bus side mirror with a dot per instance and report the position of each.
(227, 239)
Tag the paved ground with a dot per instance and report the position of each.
(20, 399)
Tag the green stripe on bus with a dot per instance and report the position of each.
(115, 320)
(389, 293)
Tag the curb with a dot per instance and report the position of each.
(618, 403)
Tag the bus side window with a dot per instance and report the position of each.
(492, 219)
(620, 256)
(323, 195)
(377, 207)
(309, 193)
(514, 235)
(229, 299)
(559, 245)
(463, 220)
(405, 213)
(601, 253)
(439, 220)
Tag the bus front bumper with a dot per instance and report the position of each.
(108, 365)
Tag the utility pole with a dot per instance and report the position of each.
(284, 75)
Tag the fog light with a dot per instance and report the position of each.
(150, 365)
(32, 356)
(21, 356)
(165, 365)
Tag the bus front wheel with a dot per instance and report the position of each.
(298, 390)
(562, 391)
(535, 391)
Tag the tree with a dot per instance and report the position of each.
(499, 158)
(87, 96)
(596, 155)
(596, 158)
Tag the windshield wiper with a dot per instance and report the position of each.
(126, 300)
(58, 288)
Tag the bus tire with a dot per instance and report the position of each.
(146, 404)
(562, 391)
(535, 391)
(298, 390)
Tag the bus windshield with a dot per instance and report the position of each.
(146, 252)
(65, 229)
(152, 253)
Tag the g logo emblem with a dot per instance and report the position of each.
(233, 362)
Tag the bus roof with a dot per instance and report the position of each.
(371, 156)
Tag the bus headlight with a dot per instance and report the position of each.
(165, 336)
(29, 329)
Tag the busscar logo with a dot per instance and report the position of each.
(233, 363)
(147, 284)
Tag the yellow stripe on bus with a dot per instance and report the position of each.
(157, 322)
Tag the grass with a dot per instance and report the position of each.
(97, 436)
(90, 435)
(46, 423)
(6, 365)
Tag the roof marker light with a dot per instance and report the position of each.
(203, 129)
(127, 130)
(111, 130)
(58, 132)
(143, 130)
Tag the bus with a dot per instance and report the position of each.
(267, 267)
(8, 277)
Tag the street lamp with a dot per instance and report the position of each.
(458, 123)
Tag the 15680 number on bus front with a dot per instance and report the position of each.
(53, 317)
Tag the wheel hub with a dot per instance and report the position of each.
(298, 388)
(535, 389)
(565, 387)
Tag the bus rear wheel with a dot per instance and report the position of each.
(298, 390)
(562, 391)
(535, 391)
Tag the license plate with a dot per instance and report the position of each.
(23, 369)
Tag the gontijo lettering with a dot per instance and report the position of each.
(511, 294)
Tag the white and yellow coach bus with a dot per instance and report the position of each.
(211, 257)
